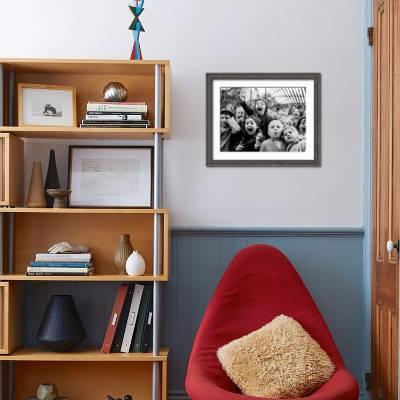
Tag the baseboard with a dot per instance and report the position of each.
(181, 395)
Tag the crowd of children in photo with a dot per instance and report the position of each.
(262, 125)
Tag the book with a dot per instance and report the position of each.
(132, 318)
(60, 264)
(115, 113)
(80, 257)
(117, 122)
(68, 270)
(103, 106)
(115, 315)
(119, 335)
(147, 338)
(141, 320)
(113, 126)
(114, 117)
(59, 273)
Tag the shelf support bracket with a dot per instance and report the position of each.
(157, 203)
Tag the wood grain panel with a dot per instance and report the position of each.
(87, 381)
(100, 232)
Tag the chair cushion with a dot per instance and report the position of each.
(279, 360)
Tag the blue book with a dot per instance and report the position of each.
(61, 264)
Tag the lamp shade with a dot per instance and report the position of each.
(61, 328)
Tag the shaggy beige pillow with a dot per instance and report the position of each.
(279, 360)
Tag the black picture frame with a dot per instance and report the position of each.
(212, 161)
(150, 149)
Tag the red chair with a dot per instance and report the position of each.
(259, 284)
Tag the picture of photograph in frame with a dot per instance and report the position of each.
(263, 119)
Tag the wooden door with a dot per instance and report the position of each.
(386, 147)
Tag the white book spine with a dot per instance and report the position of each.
(141, 108)
(78, 257)
(112, 117)
(132, 317)
(58, 269)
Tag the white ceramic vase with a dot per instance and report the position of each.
(135, 264)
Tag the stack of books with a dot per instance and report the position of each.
(131, 323)
(61, 264)
(115, 115)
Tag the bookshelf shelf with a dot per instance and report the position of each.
(92, 278)
(26, 210)
(91, 354)
(84, 133)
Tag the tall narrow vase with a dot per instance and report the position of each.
(52, 181)
(36, 197)
(122, 252)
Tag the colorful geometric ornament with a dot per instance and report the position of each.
(136, 27)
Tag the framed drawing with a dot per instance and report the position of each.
(46, 105)
(263, 119)
(110, 176)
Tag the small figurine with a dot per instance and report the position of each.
(126, 397)
(46, 391)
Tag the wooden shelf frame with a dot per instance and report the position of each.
(90, 354)
(89, 77)
(27, 210)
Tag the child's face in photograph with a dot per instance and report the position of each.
(224, 119)
(290, 135)
(239, 114)
(286, 121)
(275, 129)
(250, 126)
(271, 102)
(260, 107)
(303, 126)
(295, 112)
(282, 114)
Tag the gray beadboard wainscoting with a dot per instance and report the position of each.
(330, 262)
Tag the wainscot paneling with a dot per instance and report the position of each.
(330, 262)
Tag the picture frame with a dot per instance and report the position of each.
(241, 108)
(99, 175)
(46, 105)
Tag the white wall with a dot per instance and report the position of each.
(233, 36)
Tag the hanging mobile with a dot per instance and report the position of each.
(136, 27)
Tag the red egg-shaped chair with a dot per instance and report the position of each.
(259, 284)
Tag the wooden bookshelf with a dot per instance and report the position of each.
(27, 231)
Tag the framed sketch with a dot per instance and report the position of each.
(46, 105)
(110, 176)
(263, 119)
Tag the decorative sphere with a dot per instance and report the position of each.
(115, 91)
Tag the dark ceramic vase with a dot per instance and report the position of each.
(52, 181)
(61, 328)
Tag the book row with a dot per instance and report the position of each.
(130, 329)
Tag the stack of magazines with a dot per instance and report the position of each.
(61, 264)
(115, 115)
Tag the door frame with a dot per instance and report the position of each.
(367, 242)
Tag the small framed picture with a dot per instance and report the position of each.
(46, 105)
(263, 119)
(110, 176)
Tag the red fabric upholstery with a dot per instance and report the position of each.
(259, 284)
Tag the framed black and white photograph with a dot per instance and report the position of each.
(46, 105)
(263, 119)
(110, 176)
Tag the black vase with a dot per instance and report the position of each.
(52, 181)
(61, 328)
